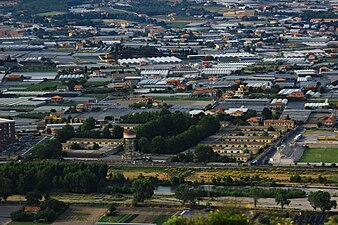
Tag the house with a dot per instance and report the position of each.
(53, 117)
(56, 99)
(205, 92)
(78, 87)
(329, 122)
(31, 209)
(296, 94)
(273, 123)
(253, 121)
(83, 107)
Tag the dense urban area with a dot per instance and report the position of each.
(168, 112)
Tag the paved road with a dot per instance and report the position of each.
(264, 158)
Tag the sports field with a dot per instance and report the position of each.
(325, 155)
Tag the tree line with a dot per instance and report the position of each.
(172, 139)
(23, 177)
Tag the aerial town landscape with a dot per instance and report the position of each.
(168, 112)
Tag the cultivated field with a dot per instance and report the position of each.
(325, 155)
(77, 215)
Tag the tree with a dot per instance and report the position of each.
(117, 132)
(112, 210)
(142, 189)
(321, 200)
(88, 124)
(256, 194)
(144, 144)
(203, 153)
(67, 132)
(296, 178)
(266, 114)
(5, 188)
(106, 132)
(33, 198)
(51, 149)
(333, 220)
(186, 194)
(281, 198)
(96, 146)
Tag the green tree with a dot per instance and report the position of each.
(112, 209)
(203, 153)
(5, 188)
(51, 149)
(256, 193)
(117, 132)
(88, 124)
(157, 144)
(186, 194)
(67, 132)
(33, 198)
(142, 189)
(281, 197)
(333, 220)
(266, 114)
(106, 132)
(144, 144)
(321, 200)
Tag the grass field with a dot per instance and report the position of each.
(325, 155)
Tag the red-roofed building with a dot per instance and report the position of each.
(253, 121)
(56, 99)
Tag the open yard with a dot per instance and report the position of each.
(325, 155)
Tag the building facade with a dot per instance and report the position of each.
(7, 132)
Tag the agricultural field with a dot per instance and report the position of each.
(121, 218)
(77, 215)
(155, 215)
(325, 155)
(43, 86)
(281, 175)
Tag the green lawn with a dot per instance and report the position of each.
(122, 218)
(325, 155)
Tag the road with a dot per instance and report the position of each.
(264, 158)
